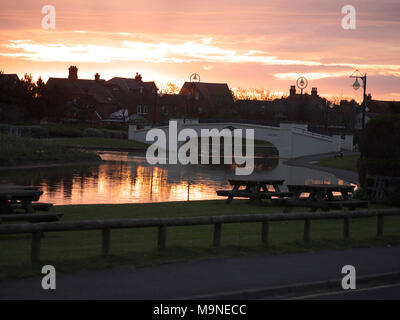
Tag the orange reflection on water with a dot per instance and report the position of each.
(123, 182)
(127, 178)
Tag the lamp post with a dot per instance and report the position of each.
(302, 83)
(193, 78)
(155, 107)
(358, 75)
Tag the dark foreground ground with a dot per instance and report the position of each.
(244, 277)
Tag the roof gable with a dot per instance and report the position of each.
(80, 87)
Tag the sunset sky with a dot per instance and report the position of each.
(249, 44)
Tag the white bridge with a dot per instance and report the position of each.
(292, 140)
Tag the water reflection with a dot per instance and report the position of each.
(128, 178)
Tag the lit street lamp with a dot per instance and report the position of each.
(358, 75)
(193, 78)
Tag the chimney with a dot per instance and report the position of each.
(73, 73)
(314, 92)
(292, 91)
(138, 77)
(97, 77)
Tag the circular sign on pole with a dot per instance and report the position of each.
(194, 78)
(302, 83)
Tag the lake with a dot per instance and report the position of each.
(128, 178)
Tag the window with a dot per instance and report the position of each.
(139, 109)
(145, 109)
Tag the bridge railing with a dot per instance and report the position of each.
(312, 134)
(38, 229)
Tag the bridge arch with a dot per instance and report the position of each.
(290, 139)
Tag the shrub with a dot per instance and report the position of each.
(116, 134)
(34, 131)
(380, 147)
(4, 128)
(24, 131)
(92, 132)
(60, 130)
(380, 138)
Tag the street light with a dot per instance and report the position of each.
(193, 78)
(302, 83)
(358, 75)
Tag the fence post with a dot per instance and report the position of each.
(307, 229)
(35, 246)
(379, 232)
(217, 234)
(346, 228)
(162, 237)
(264, 232)
(105, 242)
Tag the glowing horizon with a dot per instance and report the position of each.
(259, 45)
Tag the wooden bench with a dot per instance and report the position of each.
(38, 206)
(325, 205)
(31, 217)
(252, 195)
(253, 189)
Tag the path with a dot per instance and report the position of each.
(208, 277)
(306, 162)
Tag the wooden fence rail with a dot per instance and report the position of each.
(38, 229)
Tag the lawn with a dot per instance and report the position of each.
(14, 151)
(76, 251)
(94, 142)
(346, 163)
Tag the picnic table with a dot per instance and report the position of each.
(320, 196)
(21, 197)
(253, 189)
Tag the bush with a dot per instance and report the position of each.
(4, 128)
(92, 132)
(380, 147)
(63, 131)
(116, 134)
(104, 133)
(34, 131)
(24, 131)
(380, 138)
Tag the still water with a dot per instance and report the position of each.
(128, 178)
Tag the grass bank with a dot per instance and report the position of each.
(16, 151)
(99, 143)
(345, 163)
(77, 251)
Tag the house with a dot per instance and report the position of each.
(139, 98)
(375, 108)
(81, 99)
(171, 106)
(207, 100)
(255, 109)
(12, 77)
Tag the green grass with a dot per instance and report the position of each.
(14, 151)
(94, 142)
(77, 251)
(346, 163)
